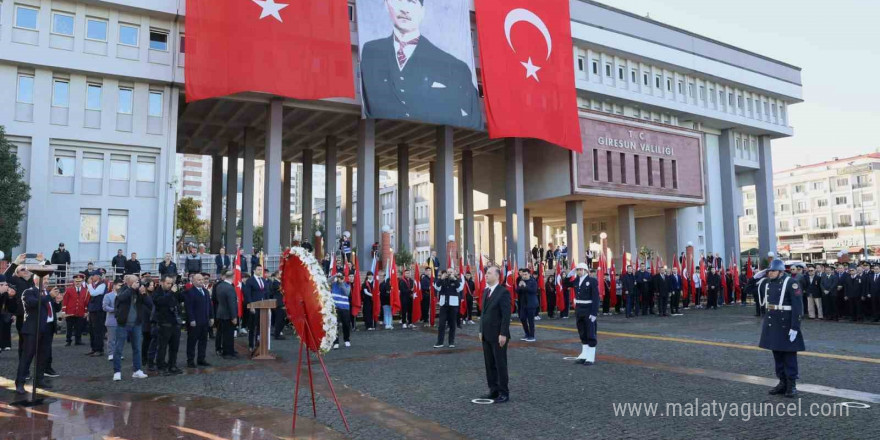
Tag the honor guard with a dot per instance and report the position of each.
(586, 302)
(781, 327)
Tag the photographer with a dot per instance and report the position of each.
(127, 304)
(448, 287)
(167, 305)
(341, 291)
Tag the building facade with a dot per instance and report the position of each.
(822, 209)
(673, 125)
(193, 172)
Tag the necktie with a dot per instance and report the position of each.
(260, 282)
(401, 55)
(48, 310)
(488, 293)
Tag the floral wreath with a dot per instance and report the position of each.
(308, 300)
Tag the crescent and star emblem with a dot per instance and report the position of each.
(517, 15)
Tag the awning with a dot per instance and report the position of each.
(810, 251)
(855, 249)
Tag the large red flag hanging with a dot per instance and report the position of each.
(511, 287)
(467, 289)
(377, 301)
(723, 283)
(749, 272)
(297, 49)
(703, 275)
(481, 284)
(395, 286)
(541, 287)
(417, 301)
(560, 296)
(613, 285)
(571, 289)
(356, 303)
(600, 276)
(528, 71)
(236, 281)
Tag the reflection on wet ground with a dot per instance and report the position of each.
(147, 417)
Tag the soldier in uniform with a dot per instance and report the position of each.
(586, 302)
(781, 327)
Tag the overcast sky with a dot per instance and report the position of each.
(836, 45)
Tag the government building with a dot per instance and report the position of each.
(673, 126)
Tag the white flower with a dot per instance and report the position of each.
(319, 282)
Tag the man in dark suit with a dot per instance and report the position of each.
(36, 332)
(167, 302)
(662, 289)
(200, 316)
(673, 285)
(494, 333)
(405, 76)
(221, 263)
(255, 289)
(227, 314)
(628, 282)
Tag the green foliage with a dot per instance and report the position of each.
(258, 238)
(14, 195)
(403, 258)
(187, 218)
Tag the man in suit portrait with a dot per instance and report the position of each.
(494, 335)
(405, 76)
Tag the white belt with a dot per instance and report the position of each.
(583, 301)
(775, 307)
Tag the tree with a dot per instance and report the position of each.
(258, 238)
(403, 258)
(15, 193)
(187, 218)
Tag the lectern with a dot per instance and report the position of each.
(263, 307)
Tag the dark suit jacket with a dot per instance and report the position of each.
(221, 263)
(198, 306)
(37, 309)
(433, 86)
(495, 319)
(673, 283)
(252, 292)
(874, 287)
(227, 301)
(661, 285)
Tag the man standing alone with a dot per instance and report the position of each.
(527, 290)
(200, 313)
(494, 333)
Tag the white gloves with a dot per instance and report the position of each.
(792, 334)
(592, 318)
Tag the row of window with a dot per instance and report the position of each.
(94, 94)
(862, 181)
(743, 103)
(843, 220)
(90, 225)
(93, 166)
(636, 177)
(27, 17)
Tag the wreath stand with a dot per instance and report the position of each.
(302, 347)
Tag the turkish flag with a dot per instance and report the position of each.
(294, 48)
(528, 71)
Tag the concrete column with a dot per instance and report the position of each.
(671, 215)
(272, 182)
(216, 203)
(232, 198)
(403, 219)
(729, 192)
(516, 222)
(366, 181)
(538, 230)
(467, 201)
(432, 173)
(285, 204)
(527, 238)
(330, 197)
(764, 198)
(308, 233)
(626, 229)
(574, 228)
(490, 218)
(377, 212)
(247, 191)
(347, 200)
(444, 195)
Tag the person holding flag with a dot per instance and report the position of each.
(367, 290)
(417, 296)
(424, 303)
(407, 293)
(586, 310)
(701, 283)
(385, 299)
(562, 294)
(357, 302)
(551, 293)
(468, 303)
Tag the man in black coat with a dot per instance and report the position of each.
(407, 286)
(167, 267)
(713, 287)
(673, 284)
(527, 292)
(36, 332)
(255, 289)
(227, 314)
(425, 301)
(628, 283)
(221, 263)
(662, 289)
(118, 264)
(448, 287)
(167, 302)
(494, 334)
(133, 266)
(781, 327)
(852, 294)
(200, 316)
(61, 258)
(405, 76)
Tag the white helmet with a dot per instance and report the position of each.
(582, 266)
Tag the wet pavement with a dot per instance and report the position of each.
(394, 385)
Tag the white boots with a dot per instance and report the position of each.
(587, 356)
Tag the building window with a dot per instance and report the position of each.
(721, 97)
(712, 96)
(739, 101)
(608, 168)
(25, 94)
(801, 207)
(799, 188)
(867, 197)
(863, 181)
(633, 76)
(146, 169)
(128, 34)
(596, 165)
(650, 171)
(155, 104)
(608, 70)
(645, 78)
(821, 203)
(750, 105)
(668, 85)
(842, 182)
(117, 226)
(60, 93)
(702, 93)
(119, 167)
(89, 225)
(96, 29)
(662, 173)
(595, 67)
(159, 40)
(691, 91)
(674, 174)
(700, 226)
(65, 163)
(680, 87)
(622, 168)
(93, 96)
(62, 23)
(620, 73)
(845, 220)
(773, 109)
(636, 169)
(783, 225)
(26, 17)
(767, 108)
(840, 200)
(125, 100)
(581, 64)
(782, 113)
(182, 43)
(93, 166)
(784, 207)
(351, 13)
(657, 81)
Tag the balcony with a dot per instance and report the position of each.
(858, 185)
(844, 224)
(865, 223)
